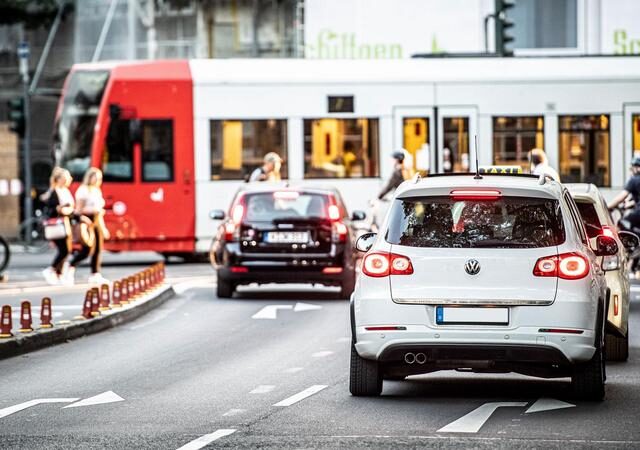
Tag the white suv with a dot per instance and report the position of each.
(484, 274)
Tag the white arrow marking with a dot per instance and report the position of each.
(548, 404)
(15, 408)
(100, 399)
(306, 307)
(270, 311)
(301, 395)
(473, 421)
(206, 439)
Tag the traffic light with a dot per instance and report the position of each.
(16, 115)
(503, 27)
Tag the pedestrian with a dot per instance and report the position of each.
(90, 209)
(59, 204)
(270, 169)
(397, 176)
(540, 164)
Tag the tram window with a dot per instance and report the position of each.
(455, 152)
(584, 149)
(157, 150)
(635, 119)
(514, 138)
(239, 146)
(415, 139)
(341, 148)
(118, 153)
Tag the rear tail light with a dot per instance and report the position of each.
(385, 264)
(607, 231)
(232, 228)
(237, 214)
(334, 212)
(332, 270)
(568, 266)
(475, 194)
(339, 232)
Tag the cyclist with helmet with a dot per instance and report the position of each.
(397, 176)
(632, 188)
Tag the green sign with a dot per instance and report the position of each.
(623, 45)
(331, 45)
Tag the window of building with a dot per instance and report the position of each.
(415, 134)
(635, 141)
(117, 159)
(584, 149)
(455, 153)
(157, 150)
(238, 147)
(544, 24)
(514, 138)
(341, 148)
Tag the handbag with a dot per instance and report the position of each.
(83, 234)
(56, 228)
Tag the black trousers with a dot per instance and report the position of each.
(95, 251)
(63, 247)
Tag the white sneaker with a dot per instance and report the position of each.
(50, 276)
(97, 278)
(68, 276)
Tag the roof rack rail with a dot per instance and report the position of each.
(449, 174)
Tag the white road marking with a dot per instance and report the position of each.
(100, 399)
(548, 404)
(473, 421)
(207, 439)
(263, 389)
(233, 412)
(322, 354)
(16, 408)
(301, 395)
(293, 370)
(306, 307)
(270, 311)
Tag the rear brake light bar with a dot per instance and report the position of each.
(286, 195)
(380, 265)
(385, 328)
(560, 330)
(568, 266)
(475, 194)
(332, 270)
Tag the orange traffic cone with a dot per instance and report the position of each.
(46, 313)
(6, 322)
(95, 302)
(104, 298)
(116, 296)
(25, 317)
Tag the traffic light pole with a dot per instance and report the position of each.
(23, 55)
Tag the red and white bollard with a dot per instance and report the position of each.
(26, 320)
(116, 295)
(132, 289)
(104, 298)
(46, 313)
(124, 292)
(6, 322)
(95, 302)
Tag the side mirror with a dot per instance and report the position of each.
(217, 214)
(606, 246)
(629, 240)
(364, 242)
(358, 215)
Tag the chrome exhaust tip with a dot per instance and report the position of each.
(409, 358)
(421, 358)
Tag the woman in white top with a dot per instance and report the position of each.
(90, 207)
(59, 204)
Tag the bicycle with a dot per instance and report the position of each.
(5, 255)
(35, 224)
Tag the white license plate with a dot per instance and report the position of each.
(287, 237)
(471, 315)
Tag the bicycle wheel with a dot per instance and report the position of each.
(38, 242)
(5, 254)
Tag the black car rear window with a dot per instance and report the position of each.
(507, 222)
(269, 206)
(589, 217)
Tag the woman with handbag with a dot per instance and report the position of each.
(59, 206)
(90, 208)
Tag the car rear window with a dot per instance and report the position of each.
(269, 206)
(508, 222)
(589, 217)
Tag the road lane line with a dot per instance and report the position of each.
(263, 389)
(322, 354)
(100, 399)
(207, 439)
(16, 408)
(472, 422)
(301, 395)
(233, 412)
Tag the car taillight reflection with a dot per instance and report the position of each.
(385, 264)
(568, 266)
(607, 231)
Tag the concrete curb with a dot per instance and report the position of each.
(41, 338)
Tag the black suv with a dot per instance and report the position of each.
(276, 234)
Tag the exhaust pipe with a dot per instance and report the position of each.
(421, 358)
(409, 358)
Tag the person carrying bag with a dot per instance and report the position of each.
(59, 206)
(90, 228)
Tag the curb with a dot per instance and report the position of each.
(42, 338)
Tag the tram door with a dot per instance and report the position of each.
(414, 131)
(457, 127)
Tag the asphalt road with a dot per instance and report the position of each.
(202, 368)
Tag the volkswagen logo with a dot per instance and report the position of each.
(472, 267)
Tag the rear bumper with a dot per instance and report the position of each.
(266, 274)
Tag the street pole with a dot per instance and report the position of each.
(23, 57)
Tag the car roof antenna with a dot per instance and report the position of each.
(477, 175)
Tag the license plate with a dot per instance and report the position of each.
(287, 237)
(476, 315)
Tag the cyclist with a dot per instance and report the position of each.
(397, 176)
(632, 188)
